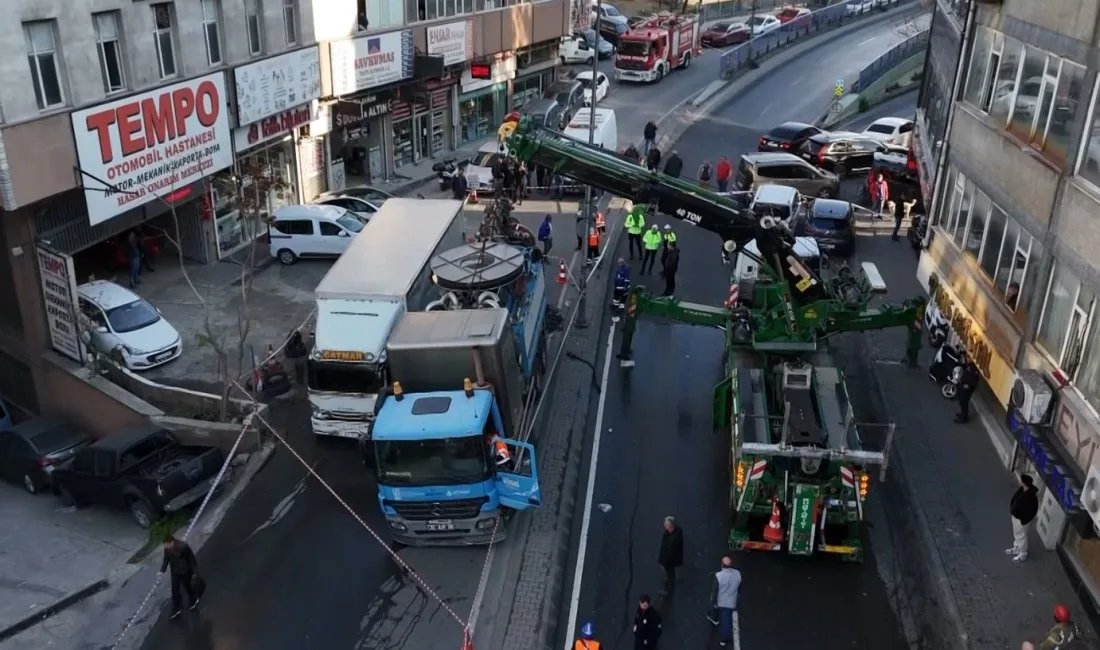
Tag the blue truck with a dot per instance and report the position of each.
(448, 443)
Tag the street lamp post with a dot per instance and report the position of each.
(750, 61)
(582, 306)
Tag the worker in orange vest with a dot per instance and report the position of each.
(588, 638)
(601, 225)
(593, 244)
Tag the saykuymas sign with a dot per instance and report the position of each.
(135, 149)
(370, 61)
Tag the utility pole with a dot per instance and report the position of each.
(582, 306)
(751, 61)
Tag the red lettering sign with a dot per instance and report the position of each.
(154, 122)
(481, 71)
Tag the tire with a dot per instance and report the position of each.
(142, 512)
(660, 74)
(826, 193)
(31, 484)
(687, 61)
(949, 390)
(287, 257)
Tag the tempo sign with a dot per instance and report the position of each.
(135, 149)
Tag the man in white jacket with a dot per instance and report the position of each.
(723, 597)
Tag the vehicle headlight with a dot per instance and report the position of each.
(398, 526)
(321, 414)
(129, 350)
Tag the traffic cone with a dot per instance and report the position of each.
(563, 274)
(467, 642)
(774, 532)
(473, 196)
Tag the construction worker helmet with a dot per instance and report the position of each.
(668, 227)
(1061, 613)
(588, 630)
(654, 227)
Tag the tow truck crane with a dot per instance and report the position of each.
(796, 451)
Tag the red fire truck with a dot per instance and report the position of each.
(657, 46)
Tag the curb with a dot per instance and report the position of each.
(412, 184)
(52, 609)
(839, 126)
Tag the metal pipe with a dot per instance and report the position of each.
(582, 307)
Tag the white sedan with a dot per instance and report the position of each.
(889, 129)
(603, 86)
(764, 24)
(362, 200)
(119, 323)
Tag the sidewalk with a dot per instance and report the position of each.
(410, 178)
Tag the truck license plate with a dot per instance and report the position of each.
(441, 524)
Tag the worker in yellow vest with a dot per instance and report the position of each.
(635, 225)
(668, 237)
(651, 241)
(588, 638)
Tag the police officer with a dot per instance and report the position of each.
(651, 241)
(668, 237)
(635, 225)
(588, 638)
(968, 383)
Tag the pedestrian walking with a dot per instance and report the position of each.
(521, 182)
(674, 166)
(653, 159)
(651, 241)
(968, 383)
(180, 560)
(649, 134)
(459, 184)
(546, 235)
(671, 265)
(635, 226)
(588, 638)
(133, 257)
(723, 599)
(723, 172)
(647, 625)
(668, 237)
(498, 172)
(671, 555)
(901, 209)
(706, 173)
(557, 187)
(1063, 633)
(880, 194)
(1023, 507)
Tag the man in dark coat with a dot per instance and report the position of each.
(647, 625)
(671, 266)
(1024, 506)
(671, 555)
(649, 135)
(968, 383)
(179, 557)
(674, 166)
(653, 159)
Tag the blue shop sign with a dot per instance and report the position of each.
(1048, 462)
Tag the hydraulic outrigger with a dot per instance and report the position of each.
(794, 442)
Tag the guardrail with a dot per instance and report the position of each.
(712, 11)
(910, 47)
(736, 59)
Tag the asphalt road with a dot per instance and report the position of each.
(658, 455)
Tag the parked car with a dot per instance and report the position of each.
(367, 193)
(602, 86)
(763, 24)
(299, 231)
(860, 7)
(832, 224)
(31, 450)
(840, 152)
(613, 31)
(144, 469)
(479, 173)
(756, 169)
(575, 49)
(568, 93)
(724, 33)
(604, 48)
(787, 137)
(788, 14)
(120, 323)
(360, 207)
(889, 129)
(608, 13)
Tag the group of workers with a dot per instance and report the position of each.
(647, 242)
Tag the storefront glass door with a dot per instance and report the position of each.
(422, 125)
(403, 153)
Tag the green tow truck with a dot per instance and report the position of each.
(799, 467)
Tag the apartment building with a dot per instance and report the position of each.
(1008, 147)
(202, 117)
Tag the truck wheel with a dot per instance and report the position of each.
(660, 74)
(142, 512)
(687, 61)
(287, 256)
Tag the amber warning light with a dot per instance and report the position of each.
(481, 71)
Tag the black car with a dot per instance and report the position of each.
(569, 94)
(840, 153)
(787, 137)
(832, 224)
(613, 32)
(30, 451)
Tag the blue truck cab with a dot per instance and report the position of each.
(440, 482)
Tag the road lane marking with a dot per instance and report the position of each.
(870, 40)
(586, 519)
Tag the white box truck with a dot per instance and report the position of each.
(385, 273)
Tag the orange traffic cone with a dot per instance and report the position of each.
(774, 532)
(473, 196)
(467, 642)
(563, 274)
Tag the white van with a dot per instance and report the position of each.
(312, 231)
(606, 133)
(575, 49)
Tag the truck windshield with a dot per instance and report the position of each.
(335, 377)
(452, 461)
(634, 48)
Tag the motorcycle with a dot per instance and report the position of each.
(447, 170)
(946, 370)
(917, 229)
(937, 325)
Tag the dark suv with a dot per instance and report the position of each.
(787, 137)
(832, 224)
(840, 153)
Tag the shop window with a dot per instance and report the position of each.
(1065, 316)
(1088, 162)
(211, 31)
(290, 21)
(974, 234)
(254, 26)
(10, 316)
(1030, 91)
(164, 38)
(1068, 105)
(986, 56)
(45, 66)
(432, 9)
(994, 238)
(966, 202)
(403, 143)
(526, 90)
(1001, 92)
(108, 39)
(477, 117)
(381, 14)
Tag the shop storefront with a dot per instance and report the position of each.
(482, 103)
(535, 68)
(423, 122)
(356, 150)
(365, 70)
(275, 100)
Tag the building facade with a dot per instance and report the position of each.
(1009, 153)
(201, 118)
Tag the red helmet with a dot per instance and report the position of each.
(1061, 613)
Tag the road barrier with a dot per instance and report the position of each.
(740, 57)
(893, 57)
(713, 11)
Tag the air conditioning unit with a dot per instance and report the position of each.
(1090, 496)
(1031, 396)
